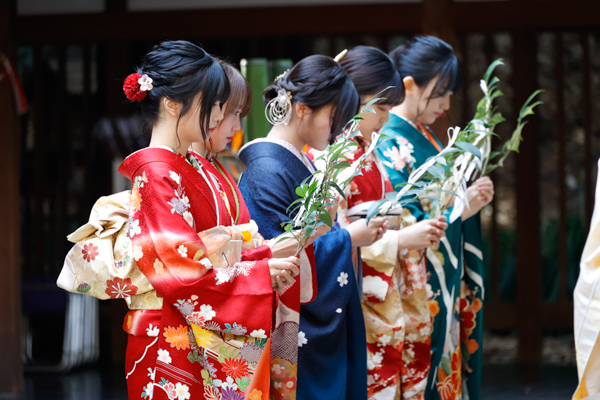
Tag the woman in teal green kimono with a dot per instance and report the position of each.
(431, 74)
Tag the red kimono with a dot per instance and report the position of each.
(211, 338)
(394, 297)
(284, 356)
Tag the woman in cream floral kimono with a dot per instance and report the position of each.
(586, 299)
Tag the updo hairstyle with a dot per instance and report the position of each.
(318, 81)
(180, 70)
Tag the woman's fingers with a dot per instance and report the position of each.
(293, 269)
(279, 284)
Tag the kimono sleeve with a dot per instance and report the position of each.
(173, 257)
(379, 262)
(267, 201)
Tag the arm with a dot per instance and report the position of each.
(176, 261)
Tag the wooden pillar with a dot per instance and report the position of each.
(436, 22)
(527, 307)
(11, 367)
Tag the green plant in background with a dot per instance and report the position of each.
(320, 190)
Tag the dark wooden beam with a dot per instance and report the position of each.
(11, 367)
(256, 21)
(561, 166)
(586, 102)
(484, 16)
(528, 267)
(313, 20)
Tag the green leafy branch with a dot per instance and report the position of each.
(467, 154)
(319, 191)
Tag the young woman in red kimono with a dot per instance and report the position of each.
(394, 298)
(211, 339)
(287, 315)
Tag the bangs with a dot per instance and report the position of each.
(345, 105)
(240, 97)
(213, 87)
(450, 79)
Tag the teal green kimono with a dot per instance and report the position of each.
(454, 272)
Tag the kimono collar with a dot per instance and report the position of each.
(288, 146)
(148, 155)
(400, 124)
(267, 148)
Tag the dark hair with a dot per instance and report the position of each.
(180, 70)
(426, 57)
(317, 81)
(241, 93)
(372, 71)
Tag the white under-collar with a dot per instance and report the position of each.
(288, 146)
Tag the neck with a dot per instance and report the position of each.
(164, 134)
(405, 111)
(201, 149)
(287, 133)
(367, 136)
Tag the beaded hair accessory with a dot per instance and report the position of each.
(279, 109)
(137, 86)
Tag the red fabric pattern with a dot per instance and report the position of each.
(169, 199)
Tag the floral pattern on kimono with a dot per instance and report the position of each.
(284, 355)
(101, 263)
(214, 329)
(454, 273)
(394, 297)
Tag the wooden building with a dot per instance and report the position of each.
(73, 55)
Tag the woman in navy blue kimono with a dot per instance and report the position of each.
(314, 101)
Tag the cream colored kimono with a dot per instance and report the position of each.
(586, 301)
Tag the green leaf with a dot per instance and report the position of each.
(374, 209)
(466, 146)
(326, 217)
(491, 68)
(341, 165)
(437, 171)
(339, 190)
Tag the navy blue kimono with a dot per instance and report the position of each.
(333, 362)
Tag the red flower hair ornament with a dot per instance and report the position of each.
(137, 86)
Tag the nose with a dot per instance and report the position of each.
(218, 115)
(236, 125)
(446, 103)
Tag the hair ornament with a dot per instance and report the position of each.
(137, 86)
(279, 109)
(281, 75)
(340, 56)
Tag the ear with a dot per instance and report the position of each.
(410, 86)
(172, 108)
(302, 110)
